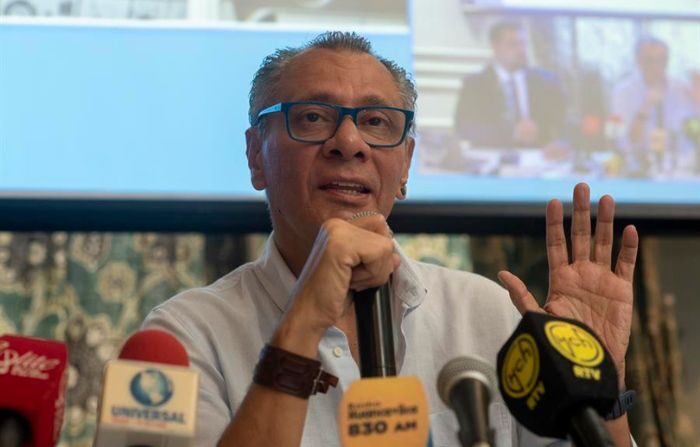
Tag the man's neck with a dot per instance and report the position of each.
(505, 69)
(294, 252)
(654, 82)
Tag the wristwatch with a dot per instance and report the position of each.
(292, 373)
(623, 403)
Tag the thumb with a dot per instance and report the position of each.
(521, 297)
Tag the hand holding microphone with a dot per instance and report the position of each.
(346, 256)
(381, 409)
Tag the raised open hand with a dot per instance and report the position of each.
(586, 289)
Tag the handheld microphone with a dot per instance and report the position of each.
(375, 334)
(390, 412)
(466, 385)
(557, 379)
(150, 394)
(33, 378)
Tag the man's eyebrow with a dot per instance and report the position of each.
(374, 101)
(369, 100)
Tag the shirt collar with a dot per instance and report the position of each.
(407, 285)
(278, 281)
(275, 276)
(504, 75)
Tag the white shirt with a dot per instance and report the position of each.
(440, 314)
(520, 82)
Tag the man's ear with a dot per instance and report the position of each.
(408, 156)
(253, 152)
(410, 145)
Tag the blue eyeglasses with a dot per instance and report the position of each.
(315, 122)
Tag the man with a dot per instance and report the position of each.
(650, 105)
(330, 144)
(510, 104)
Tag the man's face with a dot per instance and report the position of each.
(306, 184)
(509, 49)
(652, 59)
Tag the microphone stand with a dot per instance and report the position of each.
(587, 429)
(375, 335)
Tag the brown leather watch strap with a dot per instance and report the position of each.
(291, 373)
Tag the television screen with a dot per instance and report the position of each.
(518, 101)
(519, 105)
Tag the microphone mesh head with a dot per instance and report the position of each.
(155, 346)
(465, 367)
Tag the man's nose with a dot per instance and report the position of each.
(347, 143)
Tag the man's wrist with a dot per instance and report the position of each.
(292, 374)
(623, 403)
(296, 335)
(621, 385)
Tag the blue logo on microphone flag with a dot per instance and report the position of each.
(151, 388)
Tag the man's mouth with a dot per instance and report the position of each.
(346, 188)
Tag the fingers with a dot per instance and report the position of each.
(364, 245)
(521, 297)
(556, 241)
(581, 224)
(366, 276)
(628, 253)
(376, 223)
(602, 248)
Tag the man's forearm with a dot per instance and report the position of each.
(620, 431)
(267, 416)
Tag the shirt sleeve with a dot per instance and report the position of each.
(213, 412)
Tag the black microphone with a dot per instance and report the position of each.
(557, 378)
(375, 334)
(15, 430)
(466, 385)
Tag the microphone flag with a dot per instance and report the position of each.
(387, 412)
(552, 367)
(149, 396)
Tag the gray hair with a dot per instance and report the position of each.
(264, 85)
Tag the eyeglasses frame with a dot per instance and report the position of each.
(342, 112)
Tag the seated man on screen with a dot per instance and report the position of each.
(510, 104)
(650, 105)
(330, 143)
(689, 142)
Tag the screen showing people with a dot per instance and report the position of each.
(560, 96)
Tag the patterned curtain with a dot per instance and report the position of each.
(93, 289)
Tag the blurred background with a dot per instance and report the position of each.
(123, 178)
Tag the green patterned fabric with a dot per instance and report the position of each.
(90, 290)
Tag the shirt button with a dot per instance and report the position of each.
(338, 351)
